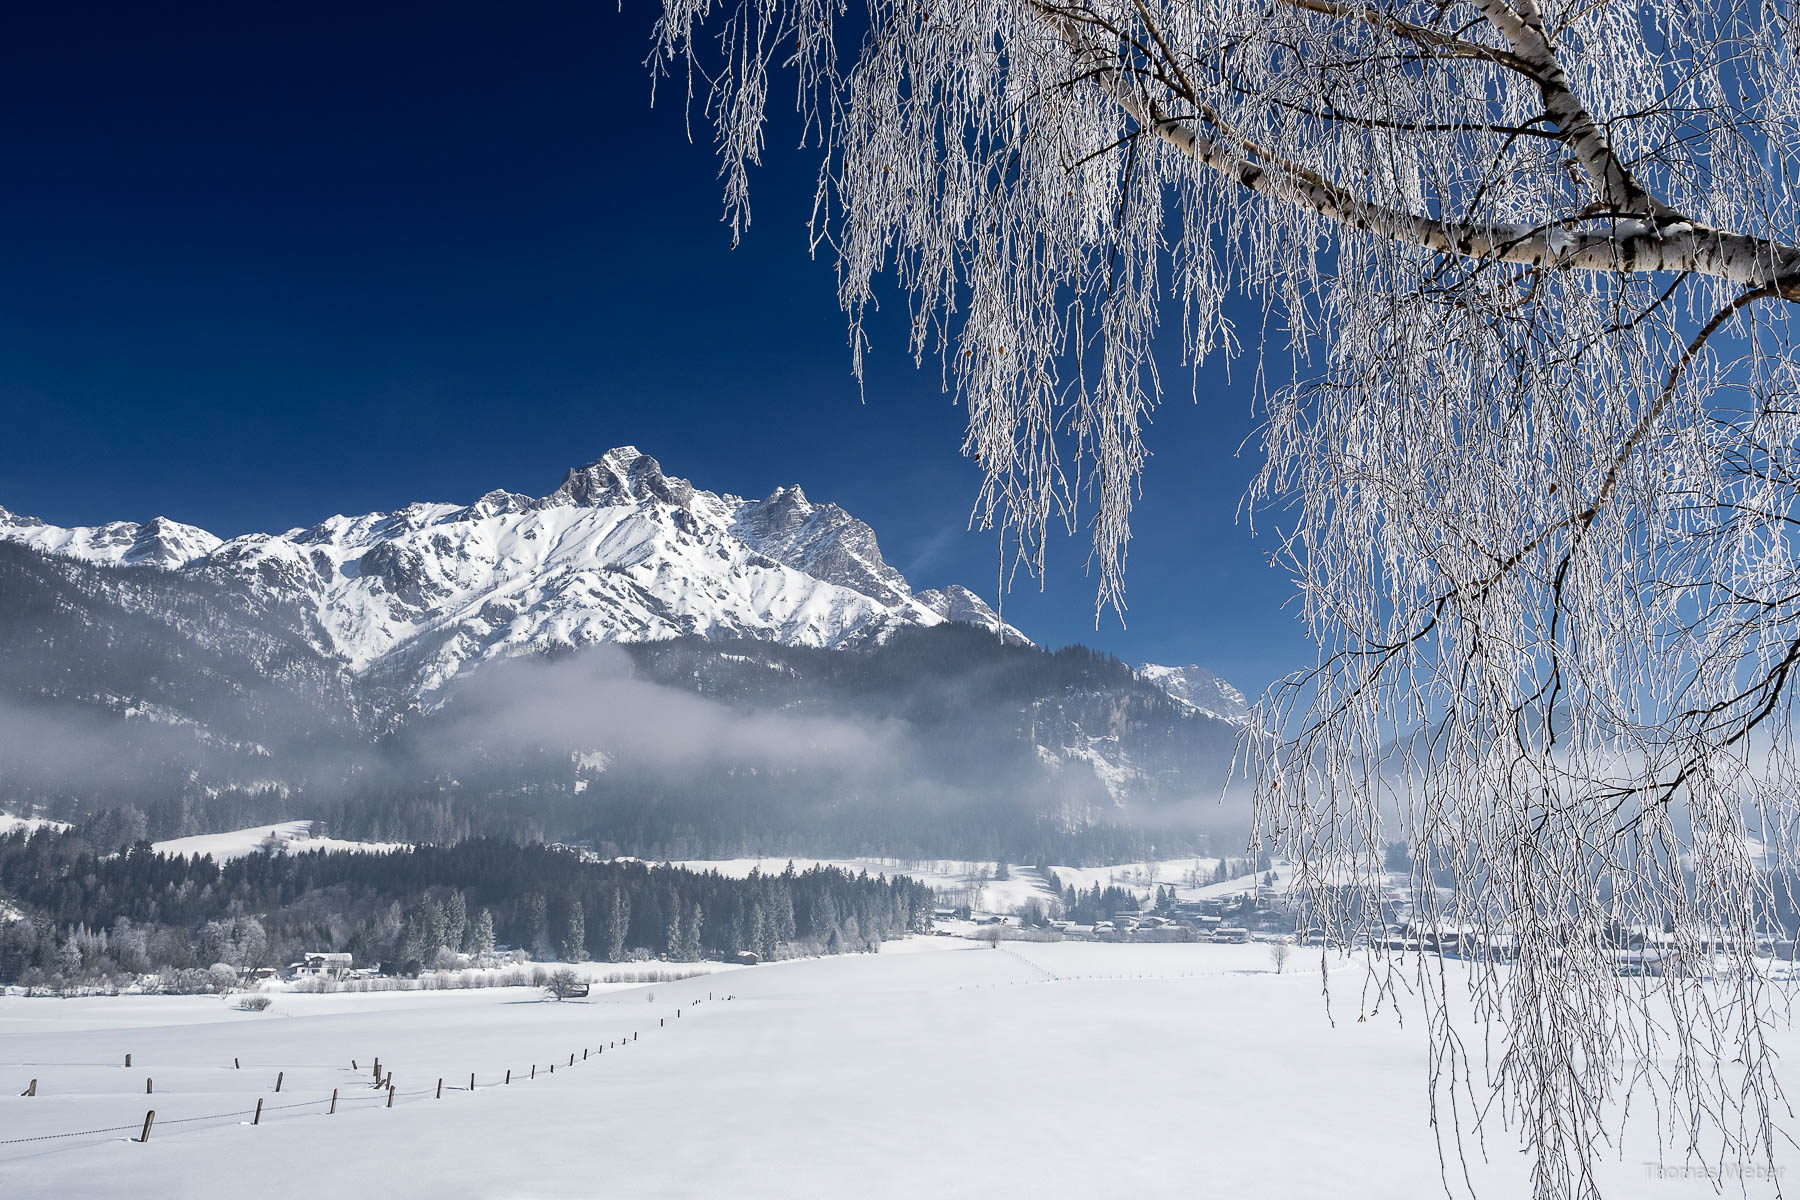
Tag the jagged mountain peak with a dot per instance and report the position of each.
(623, 475)
(790, 497)
(957, 603)
(1199, 688)
(497, 503)
(822, 540)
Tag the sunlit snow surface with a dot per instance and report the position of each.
(1072, 1069)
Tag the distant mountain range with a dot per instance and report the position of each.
(357, 631)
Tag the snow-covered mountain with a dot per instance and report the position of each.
(157, 543)
(1200, 689)
(620, 552)
(784, 685)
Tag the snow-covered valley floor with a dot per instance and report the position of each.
(937, 1068)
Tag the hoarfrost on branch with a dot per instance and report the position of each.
(1519, 279)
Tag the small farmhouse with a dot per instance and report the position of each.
(323, 965)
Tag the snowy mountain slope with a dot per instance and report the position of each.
(157, 543)
(620, 552)
(1199, 688)
(822, 540)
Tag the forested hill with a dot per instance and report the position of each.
(183, 651)
(942, 741)
(139, 910)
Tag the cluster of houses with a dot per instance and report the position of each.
(1635, 950)
(1210, 920)
(1400, 922)
(1181, 927)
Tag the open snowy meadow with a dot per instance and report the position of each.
(936, 1068)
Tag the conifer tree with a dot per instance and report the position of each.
(575, 945)
(481, 938)
(690, 933)
(431, 930)
(672, 936)
(456, 921)
(753, 926)
(617, 923)
(540, 927)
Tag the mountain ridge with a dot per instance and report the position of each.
(619, 551)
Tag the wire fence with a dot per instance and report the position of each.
(374, 1095)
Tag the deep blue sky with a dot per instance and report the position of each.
(260, 264)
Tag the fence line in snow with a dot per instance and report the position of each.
(383, 1087)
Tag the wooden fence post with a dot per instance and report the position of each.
(236, 1065)
(390, 1102)
(279, 1076)
(534, 1070)
(147, 1083)
(333, 1108)
(30, 1089)
(471, 1081)
(509, 1075)
(584, 1054)
(440, 1094)
(128, 1060)
(149, 1120)
(571, 1060)
(257, 1119)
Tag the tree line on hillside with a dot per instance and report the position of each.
(93, 915)
(541, 797)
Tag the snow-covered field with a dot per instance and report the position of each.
(12, 824)
(944, 1070)
(295, 837)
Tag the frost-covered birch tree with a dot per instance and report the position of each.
(1517, 282)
